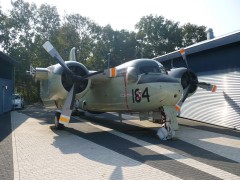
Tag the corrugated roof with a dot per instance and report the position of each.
(7, 58)
(202, 46)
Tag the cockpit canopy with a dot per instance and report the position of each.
(143, 66)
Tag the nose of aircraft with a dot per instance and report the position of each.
(168, 89)
(171, 93)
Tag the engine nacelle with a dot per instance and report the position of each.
(41, 73)
(55, 83)
(185, 76)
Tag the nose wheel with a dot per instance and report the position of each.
(58, 125)
(167, 132)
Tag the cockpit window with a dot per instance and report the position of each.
(163, 70)
(152, 69)
(132, 76)
(17, 97)
(149, 69)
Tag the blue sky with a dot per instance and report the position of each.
(220, 15)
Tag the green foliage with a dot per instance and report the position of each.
(158, 35)
(47, 21)
(192, 33)
(2, 25)
(27, 27)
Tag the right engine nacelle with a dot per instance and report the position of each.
(185, 76)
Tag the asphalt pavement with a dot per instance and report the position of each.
(6, 154)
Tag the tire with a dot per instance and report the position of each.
(58, 125)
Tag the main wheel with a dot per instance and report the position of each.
(56, 121)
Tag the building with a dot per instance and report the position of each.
(215, 61)
(7, 65)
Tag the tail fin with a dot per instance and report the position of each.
(72, 55)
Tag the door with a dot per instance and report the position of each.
(3, 98)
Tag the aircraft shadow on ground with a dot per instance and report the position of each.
(106, 149)
(146, 134)
(129, 149)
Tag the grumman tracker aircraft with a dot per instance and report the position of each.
(140, 85)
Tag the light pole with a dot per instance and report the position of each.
(109, 58)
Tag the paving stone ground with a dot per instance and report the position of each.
(97, 147)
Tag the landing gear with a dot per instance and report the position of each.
(167, 132)
(58, 125)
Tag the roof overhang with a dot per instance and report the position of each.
(202, 46)
(8, 59)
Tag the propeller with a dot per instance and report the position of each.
(53, 52)
(69, 102)
(190, 83)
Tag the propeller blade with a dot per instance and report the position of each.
(68, 106)
(207, 86)
(53, 52)
(182, 51)
(185, 95)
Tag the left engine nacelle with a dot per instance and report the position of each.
(55, 82)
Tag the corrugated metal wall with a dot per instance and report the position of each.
(216, 61)
(220, 108)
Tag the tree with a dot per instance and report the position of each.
(103, 44)
(2, 26)
(192, 33)
(47, 24)
(158, 35)
(21, 23)
(85, 34)
(26, 28)
(127, 46)
(120, 44)
(47, 21)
